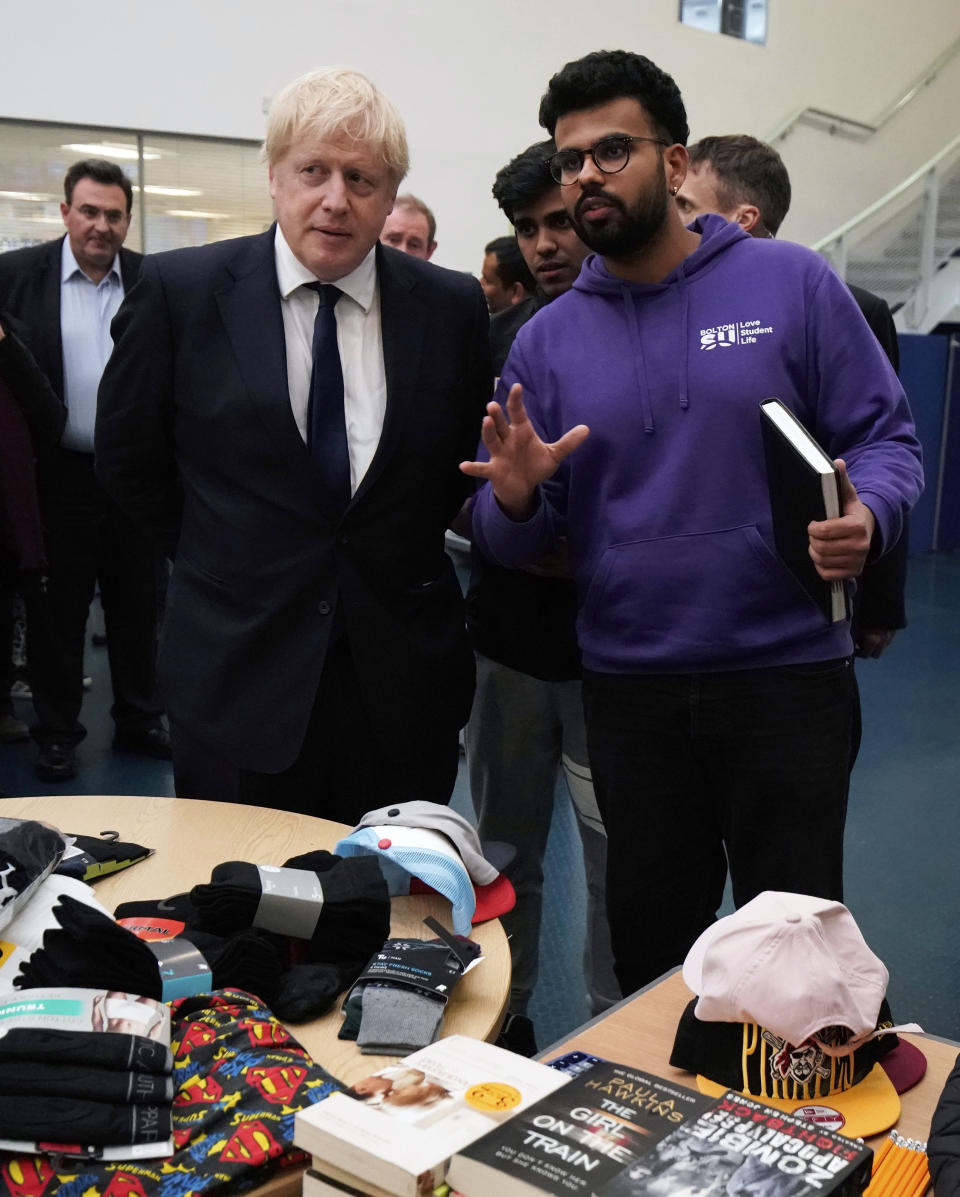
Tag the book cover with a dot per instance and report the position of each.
(578, 1138)
(804, 485)
(742, 1148)
(398, 1127)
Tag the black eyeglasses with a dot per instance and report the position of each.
(610, 154)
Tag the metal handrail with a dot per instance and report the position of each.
(952, 147)
(836, 123)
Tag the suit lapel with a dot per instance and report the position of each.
(249, 302)
(130, 264)
(402, 330)
(50, 321)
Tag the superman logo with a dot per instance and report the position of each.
(197, 1034)
(26, 1176)
(198, 1090)
(124, 1184)
(260, 1032)
(278, 1084)
(251, 1144)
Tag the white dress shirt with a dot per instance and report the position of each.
(86, 309)
(359, 338)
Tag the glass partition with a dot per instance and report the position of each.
(187, 190)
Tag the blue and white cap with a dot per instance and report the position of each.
(406, 852)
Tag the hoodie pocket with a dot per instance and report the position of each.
(693, 600)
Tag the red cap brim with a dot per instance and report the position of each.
(494, 899)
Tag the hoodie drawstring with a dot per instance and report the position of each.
(639, 361)
(684, 341)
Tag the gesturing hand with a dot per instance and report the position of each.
(839, 547)
(519, 459)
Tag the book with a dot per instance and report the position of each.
(397, 1128)
(804, 485)
(333, 1182)
(578, 1138)
(740, 1146)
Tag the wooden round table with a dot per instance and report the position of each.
(190, 837)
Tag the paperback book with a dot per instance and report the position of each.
(333, 1182)
(578, 1138)
(397, 1128)
(740, 1146)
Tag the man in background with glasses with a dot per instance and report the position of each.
(66, 292)
(717, 695)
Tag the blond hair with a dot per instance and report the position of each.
(336, 102)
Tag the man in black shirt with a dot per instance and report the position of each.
(527, 716)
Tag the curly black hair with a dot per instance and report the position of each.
(607, 75)
(525, 179)
(511, 267)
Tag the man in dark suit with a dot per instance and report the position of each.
(32, 417)
(313, 655)
(745, 180)
(65, 293)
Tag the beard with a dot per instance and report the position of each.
(629, 229)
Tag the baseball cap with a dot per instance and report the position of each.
(905, 1064)
(792, 1010)
(850, 1094)
(792, 963)
(419, 852)
(451, 835)
(437, 817)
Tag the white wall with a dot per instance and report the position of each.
(468, 78)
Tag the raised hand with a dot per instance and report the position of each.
(839, 547)
(519, 459)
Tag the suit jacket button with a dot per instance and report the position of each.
(324, 608)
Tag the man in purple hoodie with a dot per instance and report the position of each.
(718, 698)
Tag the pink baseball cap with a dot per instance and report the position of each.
(792, 963)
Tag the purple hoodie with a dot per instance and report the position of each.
(666, 506)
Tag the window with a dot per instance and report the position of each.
(193, 189)
(746, 19)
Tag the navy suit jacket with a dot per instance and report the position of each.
(196, 437)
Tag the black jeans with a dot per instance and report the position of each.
(89, 540)
(693, 772)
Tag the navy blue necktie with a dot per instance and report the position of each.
(326, 426)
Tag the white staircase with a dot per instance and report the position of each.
(906, 246)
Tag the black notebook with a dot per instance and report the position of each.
(804, 485)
